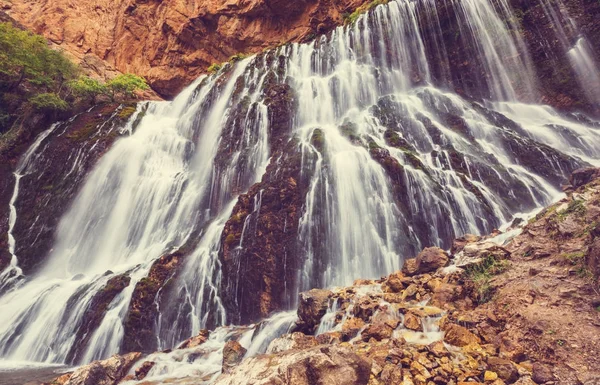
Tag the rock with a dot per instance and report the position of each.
(490, 376)
(312, 307)
(505, 369)
(410, 291)
(233, 353)
(413, 322)
(431, 259)
(391, 374)
(198, 340)
(291, 341)
(474, 253)
(351, 327)
(447, 293)
(329, 365)
(377, 331)
(410, 267)
(394, 283)
(459, 336)
(141, 37)
(438, 349)
(583, 176)
(105, 372)
(459, 243)
(542, 373)
(142, 371)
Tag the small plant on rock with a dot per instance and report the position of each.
(481, 275)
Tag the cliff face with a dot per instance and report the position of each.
(171, 42)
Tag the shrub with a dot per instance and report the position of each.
(48, 102)
(87, 88)
(125, 86)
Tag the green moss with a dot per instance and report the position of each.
(349, 130)
(230, 239)
(574, 258)
(215, 67)
(481, 275)
(126, 112)
(576, 207)
(598, 307)
(352, 17)
(318, 140)
(238, 57)
(83, 133)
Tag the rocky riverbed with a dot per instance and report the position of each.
(522, 307)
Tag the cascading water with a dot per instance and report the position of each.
(391, 164)
(580, 53)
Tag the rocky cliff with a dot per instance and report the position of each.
(521, 307)
(172, 42)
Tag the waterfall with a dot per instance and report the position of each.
(579, 53)
(391, 159)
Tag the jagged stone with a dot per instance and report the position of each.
(233, 354)
(542, 373)
(312, 307)
(105, 372)
(459, 336)
(413, 322)
(291, 341)
(505, 369)
(431, 259)
(193, 342)
(377, 331)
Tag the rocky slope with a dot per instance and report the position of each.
(522, 307)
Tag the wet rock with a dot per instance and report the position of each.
(583, 176)
(328, 365)
(312, 307)
(394, 283)
(351, 327)
(105, 372)
(459, 243)
(391, 374)
(198, 340)
(142, 371)
(505, 369)
(431, 259)
(291, 341)
(233, 354)
(438, 349)
(459, 336)
(542, 373)
(377, 331)
(413, 322)
(410, 267)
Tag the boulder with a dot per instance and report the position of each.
(459, 336)
(142, 371)
(542, 373)
(233, 353)
(394, 283)
(351, 327)
(584, 176)
(324, 365)
(431, 259)
(438, 349)
(413, 322)
(312, 307)
(105, 372)
(505, 369)
(377, 331)
(410, 267)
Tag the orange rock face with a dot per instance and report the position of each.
(170, 42)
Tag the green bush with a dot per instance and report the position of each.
(87, 88)
(48, 102)
(125, 85)
(26, 57)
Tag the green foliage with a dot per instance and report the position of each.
(26, 57)
(125, 85)
(48, 102)
(598, 309)
(87, 88)
(351, 18)
(482, 273)
(576, 207)
(238, 57)
(215, 67)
